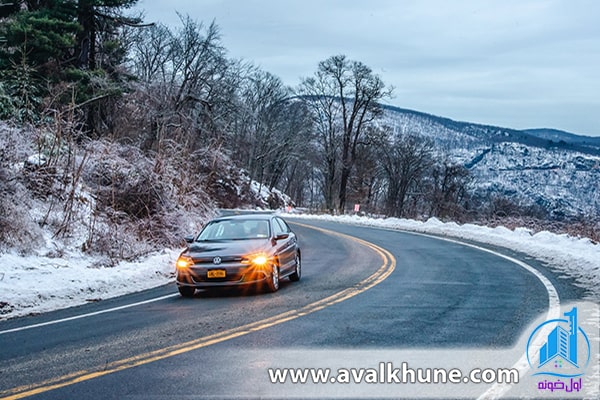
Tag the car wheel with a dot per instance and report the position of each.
(295, 277)
(273, 281)
(186, 291)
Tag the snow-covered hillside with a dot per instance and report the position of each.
(562, 177)
(562, 182)
(79, 223)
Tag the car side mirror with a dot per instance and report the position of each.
(282, 236)
(189, 239)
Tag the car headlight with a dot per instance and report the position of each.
(256, 259)
(260, 260)
(184, 262)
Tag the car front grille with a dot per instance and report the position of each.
(224, 260)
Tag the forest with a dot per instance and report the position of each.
(127, 130)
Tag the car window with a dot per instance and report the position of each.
(258, 229)
(280, 226)
(277, 228)
(236, 229)
(284, 225)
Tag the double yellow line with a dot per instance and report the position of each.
(387, 267)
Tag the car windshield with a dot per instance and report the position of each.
(235, 230)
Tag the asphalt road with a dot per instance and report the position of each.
(410, 291)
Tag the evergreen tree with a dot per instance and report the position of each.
(99, 21)
(43, 35)
(65, 41)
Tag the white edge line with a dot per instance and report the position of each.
(75, 317)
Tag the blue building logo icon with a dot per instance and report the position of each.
(562, 342)
(566, 351)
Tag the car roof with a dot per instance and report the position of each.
(246, 216)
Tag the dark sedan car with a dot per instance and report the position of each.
(250, 249)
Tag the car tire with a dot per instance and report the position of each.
(186, 291)
(297, 274)
(273, 281)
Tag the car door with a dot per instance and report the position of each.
(285, 247)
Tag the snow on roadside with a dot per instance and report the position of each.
(578, 258)
(34, 284)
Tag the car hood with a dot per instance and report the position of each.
(228, 248)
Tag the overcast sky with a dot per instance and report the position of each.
(512, 63)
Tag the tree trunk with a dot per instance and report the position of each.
(85, 48)
(345, 174)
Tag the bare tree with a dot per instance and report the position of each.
(365, 182)
(271, 127)
(292, 141)
(263, 97)
(350, 90)
(189, 85)
(404, 160)
(449, 189)
(326, 114)
(151, 51)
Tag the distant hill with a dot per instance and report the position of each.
(558, 136)
(556, 170)
(543, 137)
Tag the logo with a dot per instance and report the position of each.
(560, 355)
(217, 260)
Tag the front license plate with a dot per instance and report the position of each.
(216, 273)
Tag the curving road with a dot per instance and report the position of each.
(394, 290)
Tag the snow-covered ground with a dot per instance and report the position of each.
(34, 284)
(30, 284)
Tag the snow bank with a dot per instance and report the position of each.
(34, 284)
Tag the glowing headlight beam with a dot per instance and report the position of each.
(260, 260)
